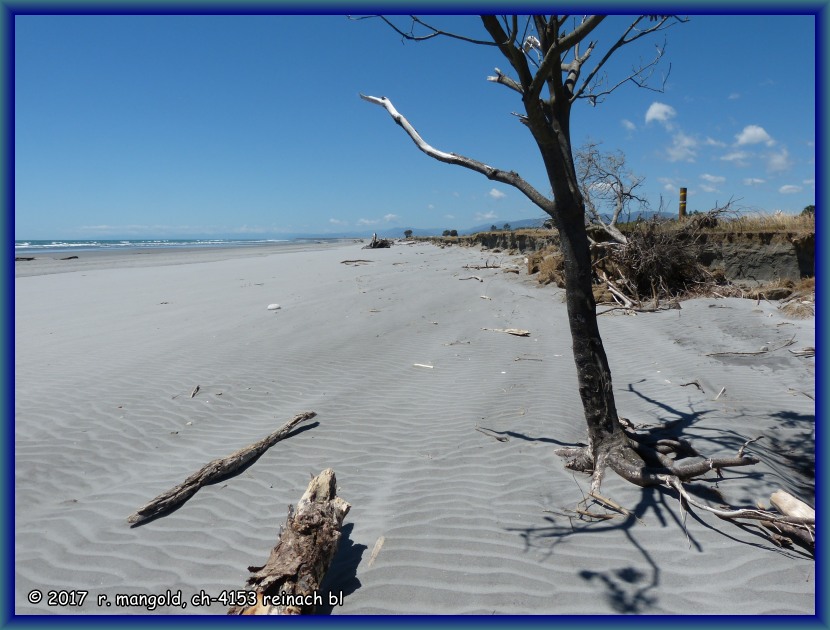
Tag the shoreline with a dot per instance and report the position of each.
(445, 518)
(50, 262)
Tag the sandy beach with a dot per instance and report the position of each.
(398, 358)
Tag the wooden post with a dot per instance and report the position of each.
(682, 214)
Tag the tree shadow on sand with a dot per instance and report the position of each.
(631, 589)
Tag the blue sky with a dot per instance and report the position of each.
(251, 126)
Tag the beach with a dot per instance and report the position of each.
(440, 427)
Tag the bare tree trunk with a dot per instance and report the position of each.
(550, 125)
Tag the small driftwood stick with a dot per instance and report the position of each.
(518, 332)
(213, 471)
(288, 584)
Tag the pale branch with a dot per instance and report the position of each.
(510, 178)
(212, 472)
(505, 80)
(745, 513)
(574, 68)
(512, 53)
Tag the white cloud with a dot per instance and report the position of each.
(337, 222)
(449, 216)
(780, 161)
(734, 96)
(738, 157)
(486, 216)
(456, 194)
(753, 181)
(367, 221)
(682, 148)
(496, 194)
(668, 183)
(390, 217)
(430, 206)
(789, 189)
(713, 179)
(753, 134)
(660, 112)
(809, 182)
(711, 142)
(628, 124)
(709, 189)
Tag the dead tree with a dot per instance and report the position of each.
(606, 182)
(554, 65)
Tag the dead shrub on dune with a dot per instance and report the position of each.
(660, 260)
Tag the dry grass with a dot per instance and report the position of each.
(735, 223)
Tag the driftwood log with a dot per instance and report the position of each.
(214, 471)
(288, 584)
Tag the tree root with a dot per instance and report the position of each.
(648, 462)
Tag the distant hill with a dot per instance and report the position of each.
(398, 232)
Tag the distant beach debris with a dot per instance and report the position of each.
(377, 243)
(23, 258)
(356, 262)
(70, 258)
(518, 332)
(274, 307)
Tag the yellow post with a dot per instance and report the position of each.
(682, 214)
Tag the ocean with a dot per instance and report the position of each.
(24, 247)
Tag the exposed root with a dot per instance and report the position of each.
(649, 462)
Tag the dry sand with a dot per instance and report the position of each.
(106, 357)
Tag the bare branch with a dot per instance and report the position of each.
(432, 31)
(747, 513)
(512, 53)
(511, 178)
(505, 80)
(664, 23)
(553, 59)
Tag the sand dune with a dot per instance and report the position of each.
(106, 359)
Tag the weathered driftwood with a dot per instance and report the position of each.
(788, 505)
(288, 584)
(213, 471)
(376, 243)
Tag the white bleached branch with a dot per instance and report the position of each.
(506, 177)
